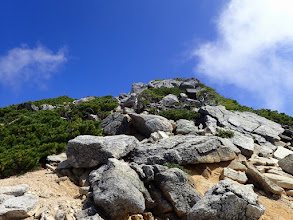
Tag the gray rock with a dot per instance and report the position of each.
(89, 213)
(47, 107)
(158, 135)
(118, 190)
(227, 142)
(176, 187)
(169, 100)
(130, 101)
(190, 83)
(282, 181)
(282, 152)
(27, 105)
(166, 83)
(244, 122)
(86, 99)
(183, 97)
(287, 163)
(147, 124)
(261, 181)
(192, 102)
(162, 205)
(93, 117)
(138, 87)
(238, 176)
(86, 151)
(56, 158)
(188, 149)
(184, 126)
(245, 144)
(18, 207)
(18, 190)
(116, 124)
(227, 200)
(211, 124)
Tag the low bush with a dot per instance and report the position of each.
(225, 134)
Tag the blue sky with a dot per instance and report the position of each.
(100, 47)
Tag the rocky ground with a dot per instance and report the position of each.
(148, 167)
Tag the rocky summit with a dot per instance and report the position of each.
(169, 149)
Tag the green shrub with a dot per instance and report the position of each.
(54, 101)
(225, 134)
(177, 166)
(28, 137)
(176, 114)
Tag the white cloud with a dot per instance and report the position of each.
(253, 49)
(25, 65)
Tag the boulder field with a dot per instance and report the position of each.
(137, 170)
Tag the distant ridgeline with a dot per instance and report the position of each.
(31, 131)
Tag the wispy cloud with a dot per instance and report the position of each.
(29, 65)
(253, 49)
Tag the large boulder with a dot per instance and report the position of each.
(129, 101)
(189, 149)
(227, 200)
(118, 190)
(147, 124)
(170, 100)
(287, 163)
(166, 83)
(190, 83)
(86, 151)
(27, 105)
(116, 124)
(138, 87)
(47, 107)
(244, 143)
(184, 126)
(15, 203)
(244, 122)
(177, 188)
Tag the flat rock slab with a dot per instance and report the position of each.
(189, 149)
(227, 200)
(282, 152)
(86, 151)
(238, 176)
(282, 181)
(14, 190)
(244, 122)
(17, 207)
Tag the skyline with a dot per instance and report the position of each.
(75, 48)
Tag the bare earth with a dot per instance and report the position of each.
(55, 196)
(58, 195)
(281, 209)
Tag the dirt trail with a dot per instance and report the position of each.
(53, 194)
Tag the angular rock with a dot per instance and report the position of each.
(256, 160)
(188, 149)
(211, 124)
(18, 207)
(237, 165)
(190, 83)
(170, 100)
(262, 181)
(56, 158)
(18, 190)
(192, 102)
(116, 124)
(183, 97)
(138, 87)
(245, 144)
(184, 126)
(86, 99)
(130, 101)
(287, 163)
(237, 176)
(227, 200)
(158, 135)
(147, 124)
(227, 142)
(282, 181)
(47, 107)
(166, 83)
(27, 105)
(176, 187)
(86, 151)
(244, 122)
(162, 204)
(282, 152)
(118, 190)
